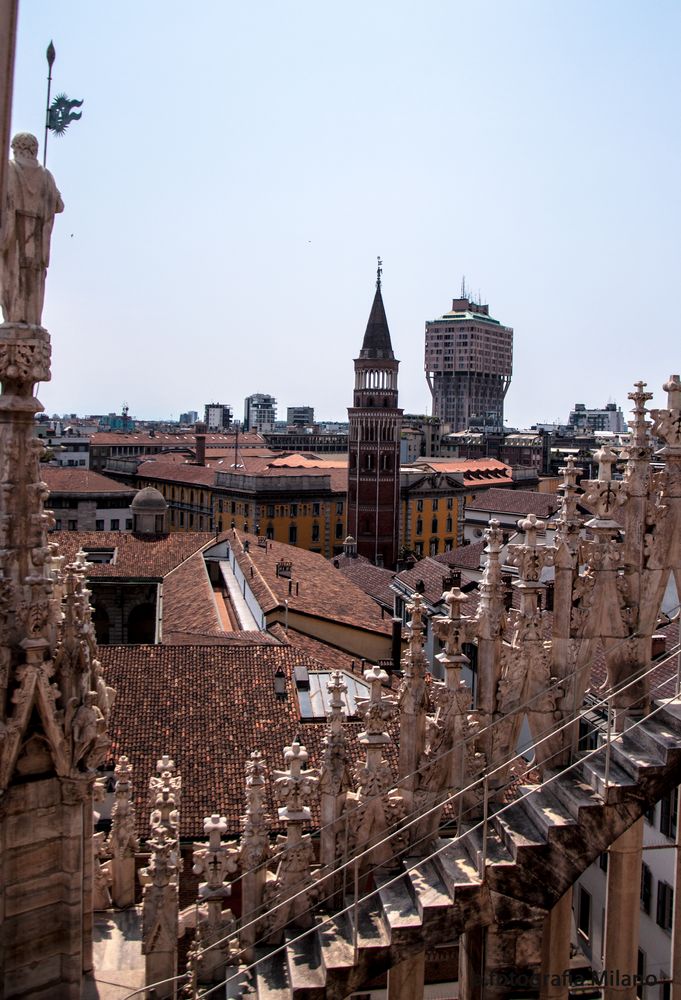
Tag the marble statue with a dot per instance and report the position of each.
(32, 203)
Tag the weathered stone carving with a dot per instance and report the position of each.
(215, 861)
(32, 203)
(293, 889)
(122, 842)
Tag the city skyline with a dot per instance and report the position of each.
(528, 148)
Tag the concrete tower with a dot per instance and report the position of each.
(374, 443)
(469, 363)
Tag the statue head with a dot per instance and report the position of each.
(25, 146)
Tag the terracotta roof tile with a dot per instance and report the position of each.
(515, 502)
(66, 480)
(463, 556)
(432, 575)
(315, 587)
(208, 707)
(136, 556)
(188, 601)
(373, 580)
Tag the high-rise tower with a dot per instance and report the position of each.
(469, 362)
(374, 443)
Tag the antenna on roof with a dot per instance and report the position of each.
(379, 272)
(463, 286)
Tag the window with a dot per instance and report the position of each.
(115, 524)
(292, 534)
(294, 510)
(418, 549)
(245, 510)
(448, 524)
(57, 525)
(339, 507)
(99, 525)
(419, 505)
(270, 510)
(419, 526)
(584, 912)
(434, 546)
(669, 814)
(315, 532)
(665, 905)
(315, 510)
(128, 524)
(339, 529)
(646, 888)
(436, 503)
(650, 814)
(450, 503)
(433, 526)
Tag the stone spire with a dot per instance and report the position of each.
(450, 761)
(122, 843)
(54, 704)
(214, 861)
(334, 780)
(255, 850)
(293, 891)
(413, 703)
(160, 901)
(376, 806)
(376, 343)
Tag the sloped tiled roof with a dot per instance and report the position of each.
(373, 580)
(208, 707)
(325, 656)
(515, 502)
(136, 556)
(317, 588)
(463, 556)
(188, 601)
(70, 480)
(432, 575)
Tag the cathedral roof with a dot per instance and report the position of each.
(377, 337)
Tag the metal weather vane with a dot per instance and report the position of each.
(59, 114)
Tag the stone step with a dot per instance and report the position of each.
(619, 780)
(574, 793)
(517, 830)
(335, 940)
(371, 929)
(633, 757)
(458, 871)
(545, 809)
(496, 851)
(430, 892)
(670, 715)
(657, 735)
(271, 975)
(400, 911)
(305, 969)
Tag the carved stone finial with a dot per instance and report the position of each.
(606, 458)
(673, 389)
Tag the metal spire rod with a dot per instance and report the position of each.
(50, 61)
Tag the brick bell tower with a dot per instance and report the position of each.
(374, 443)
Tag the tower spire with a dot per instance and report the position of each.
(379, 273)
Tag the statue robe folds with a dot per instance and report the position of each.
(32, 203)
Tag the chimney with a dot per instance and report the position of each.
(200, 434)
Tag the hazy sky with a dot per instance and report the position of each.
(238, 168)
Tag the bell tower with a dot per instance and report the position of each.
(374, 442)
